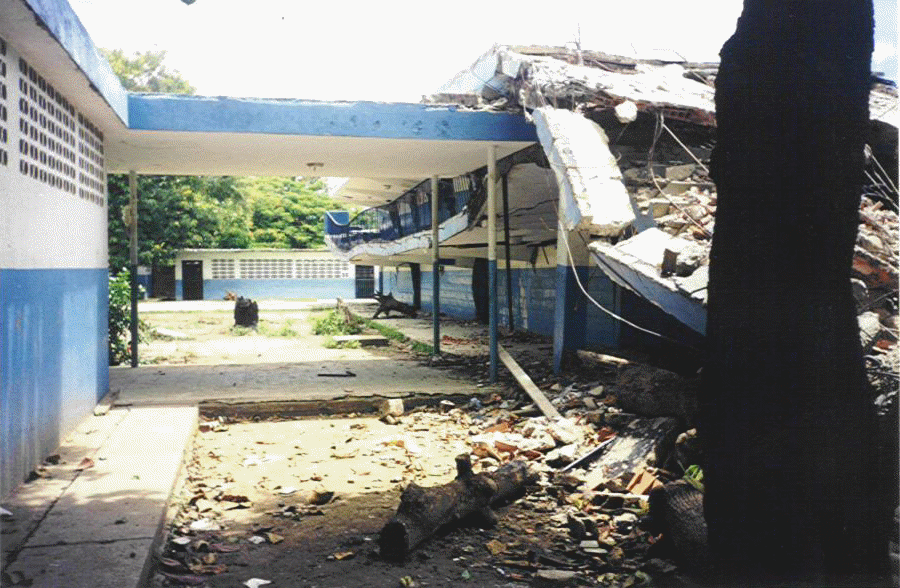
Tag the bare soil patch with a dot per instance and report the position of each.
(211, 338)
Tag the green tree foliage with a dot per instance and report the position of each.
(179, 212)
(285, 212)
(145, 72)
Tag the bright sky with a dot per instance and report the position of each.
(400, 50)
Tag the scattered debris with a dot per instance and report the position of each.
(527, 384)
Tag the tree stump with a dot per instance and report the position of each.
(425, 511)
(387, 303)
(246, 312)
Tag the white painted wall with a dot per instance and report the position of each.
(42, 226)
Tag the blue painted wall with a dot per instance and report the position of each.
(456, 292)
(534, 296)
(269, 289)
(53, 360)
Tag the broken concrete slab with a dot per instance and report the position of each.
(635, 264)
(644, 442)
(592, 195)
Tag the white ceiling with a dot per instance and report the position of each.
(397, 163)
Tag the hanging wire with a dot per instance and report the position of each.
(683, 146)
(886, 176)
(562, 232)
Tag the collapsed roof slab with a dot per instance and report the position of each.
(635, 264)
(592, 196)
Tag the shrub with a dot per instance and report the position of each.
(333, 323)
(120, 318)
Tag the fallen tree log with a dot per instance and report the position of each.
(425, 511)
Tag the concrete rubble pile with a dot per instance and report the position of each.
(668, 182)
(671, 187)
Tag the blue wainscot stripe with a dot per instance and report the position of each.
(53, 361)
(160, 112)
(534, 301)
(269, 289)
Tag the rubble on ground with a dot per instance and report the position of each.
(580, 523)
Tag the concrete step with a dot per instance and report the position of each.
(363, 340)
(98, 526)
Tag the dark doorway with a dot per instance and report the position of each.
(192, 280)
(164, 282)
(415, 271)
(365, 281)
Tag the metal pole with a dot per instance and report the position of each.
(133, 227)
(504, 186)
(492, 255)
(435, 273)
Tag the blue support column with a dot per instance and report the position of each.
(570, 315)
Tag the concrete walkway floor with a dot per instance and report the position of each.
(94, 516)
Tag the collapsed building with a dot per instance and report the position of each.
(607, 220)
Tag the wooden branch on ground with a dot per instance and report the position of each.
(528, 385)
(423, 511)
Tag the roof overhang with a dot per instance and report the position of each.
(392, 145)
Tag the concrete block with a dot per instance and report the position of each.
(659, 207)
(679, 172)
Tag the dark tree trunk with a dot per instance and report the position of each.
(793, 488)
(425, 511)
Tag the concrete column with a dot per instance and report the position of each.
(435, 262)
(570, 314)
(492, 255)
(509, 276)
(133, 242)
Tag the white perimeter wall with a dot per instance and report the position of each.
(208, 255)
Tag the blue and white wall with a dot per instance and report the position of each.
(53, 267)
(534, 290)
(269, 273)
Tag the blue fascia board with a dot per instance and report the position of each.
(378, 120)
(62, 22)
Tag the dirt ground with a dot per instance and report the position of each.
(210, 337)
(248, 509)
(301, 502)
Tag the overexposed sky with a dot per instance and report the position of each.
(400, 50)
